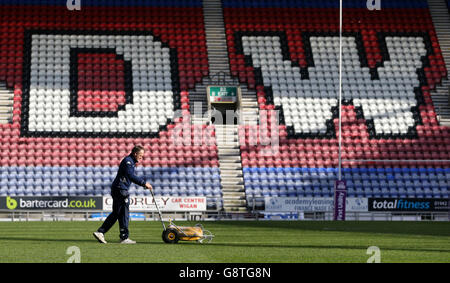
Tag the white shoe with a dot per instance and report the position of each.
(100, 237)
(128, 241)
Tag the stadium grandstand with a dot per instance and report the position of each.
(80, 88)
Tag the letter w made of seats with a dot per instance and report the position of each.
(386, 96)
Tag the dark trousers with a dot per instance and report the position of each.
(121, 209)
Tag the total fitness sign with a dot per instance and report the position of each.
(146, 203)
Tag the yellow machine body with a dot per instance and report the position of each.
(189, 233)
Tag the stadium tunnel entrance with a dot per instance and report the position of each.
(224, 114)
(224, 104)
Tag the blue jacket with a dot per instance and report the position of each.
(125, 175)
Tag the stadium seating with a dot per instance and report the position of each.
(88, 181)
(361, 182)
(87, 87)
(288, 52)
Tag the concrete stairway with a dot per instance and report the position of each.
(233, 192)
(441, 20)
(6, 104)
(219, 66)
(217, 53)
(227, 135)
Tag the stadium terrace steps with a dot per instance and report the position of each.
(441, 20)
(227, 136)
(217, 52)
(6, 104)
(219, 66)
(441, 100)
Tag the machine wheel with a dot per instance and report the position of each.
(170, 236)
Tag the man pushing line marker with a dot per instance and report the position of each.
(121, 197)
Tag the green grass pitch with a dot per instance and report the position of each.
(234, 242)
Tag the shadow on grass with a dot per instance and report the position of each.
(376, 227)
(299, 246)
(27, 239)
(227, 245)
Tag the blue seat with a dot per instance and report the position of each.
(411, 192)
(208, 191)
(376, 193)
(192, 191)
(432, 176)
(435, 193)
(217, 192)
(297, 190)
(166, 191)
(249, 192)
(327, 192)
(444, 184)
(385, 192)
(402, 192)
(28, 192)
(73, 191)
(265, 190)
(419, 192)
(181, 188)
(362, 193)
